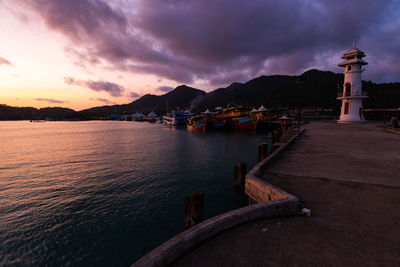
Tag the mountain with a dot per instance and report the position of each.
(383, 95)
(181, 97)
(313, 88)
(29, 113)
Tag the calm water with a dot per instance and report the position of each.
(105, 193)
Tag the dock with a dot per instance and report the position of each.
(348, 175)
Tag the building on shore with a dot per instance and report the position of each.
(352, 95)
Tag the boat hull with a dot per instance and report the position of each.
(218, 125)
(197, 127)
(244, 124)
(174, 121)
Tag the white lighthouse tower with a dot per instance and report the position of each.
(352, 96)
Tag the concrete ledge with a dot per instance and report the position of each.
(174, 248)
(259, 169)
(258, 189)
(273, 202)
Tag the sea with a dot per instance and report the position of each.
(104, 193)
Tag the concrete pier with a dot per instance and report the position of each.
(349, 176)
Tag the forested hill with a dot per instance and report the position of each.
(313, 88)
(182, 97)
(29, 113)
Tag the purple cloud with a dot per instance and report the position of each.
(49, 100)
(187, 41)
(165, 89)
(4, 61)
(112, 88)
(133, 95)
(106, 101)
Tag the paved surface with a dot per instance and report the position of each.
(355, 211)
(351, 152)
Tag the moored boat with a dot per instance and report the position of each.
(197, 123)
(244, 123)
(215, 123)
(175, 119)
(138, 117)
(238, 118)
(152, 117)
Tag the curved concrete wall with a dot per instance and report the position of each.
(183, 242)
(258, 189)
(273, 202)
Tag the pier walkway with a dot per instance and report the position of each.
(349, 176)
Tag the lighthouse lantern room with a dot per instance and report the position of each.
(352, 96)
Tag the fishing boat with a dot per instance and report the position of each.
(231, 112)
(244, 123)
(175, 119)
(197, 123)
(138, 116)
(218, 124)
(152, 117)
(238, 118)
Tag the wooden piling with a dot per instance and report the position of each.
(240, 175)
(187, 212)
(264, 150)
(260, 153)
(196, 207)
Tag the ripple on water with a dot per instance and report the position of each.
(105, 193)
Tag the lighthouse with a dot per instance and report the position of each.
(352, 96)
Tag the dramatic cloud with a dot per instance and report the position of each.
(221, 41)
(49, 100)
(133, 95)
(112, 88)
(4, 61)
(164, 89)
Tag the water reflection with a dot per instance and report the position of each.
(105, 193)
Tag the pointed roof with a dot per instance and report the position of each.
(219, 108)
(254, 110)
(353, 56)
(354, 51)
(262, 108)
(284, 117)
(207, 111)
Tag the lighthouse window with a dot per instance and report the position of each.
(349, 68)
(347, 89)
(346, 108)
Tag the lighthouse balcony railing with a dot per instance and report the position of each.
(349, 94)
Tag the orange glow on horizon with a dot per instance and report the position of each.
(40, 65)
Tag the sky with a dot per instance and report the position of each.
(85, 53)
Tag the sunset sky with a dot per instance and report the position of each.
(84, 53)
